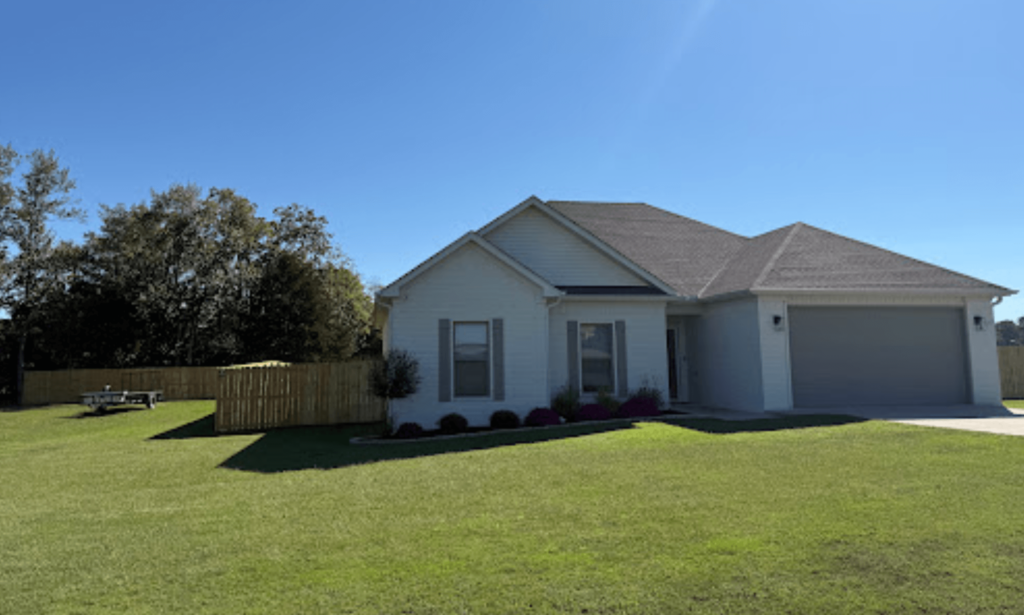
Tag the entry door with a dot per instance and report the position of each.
(677, 382)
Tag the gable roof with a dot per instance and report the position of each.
(394, 289)
(801, 257)
(684, 253)
(597, 242)
(684, 257)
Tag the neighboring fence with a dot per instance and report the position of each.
(1011, 371)
(309, 394)
(65, 387)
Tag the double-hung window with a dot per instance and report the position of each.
(597, 352)
(471, 358)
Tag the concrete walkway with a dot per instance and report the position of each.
(991, 419)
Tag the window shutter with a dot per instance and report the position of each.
(444, 360)
(573, 332)
(498, 341)
(621, 370)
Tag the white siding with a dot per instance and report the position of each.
(728, 356)
(775, 366)
(557, 254)
(983, 359)
(646, 354)
(471, 285)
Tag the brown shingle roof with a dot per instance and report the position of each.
(697, 259)
(683, 253)
(812, 259)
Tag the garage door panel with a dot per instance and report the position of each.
(843, 356)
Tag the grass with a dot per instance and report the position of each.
(145, 512)
(1014, 403)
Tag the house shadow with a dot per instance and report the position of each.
(326, 448)
(775, 423)
(304, 448)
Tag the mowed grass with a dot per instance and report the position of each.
(144, 512)
(1017, 404)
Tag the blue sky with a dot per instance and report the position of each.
(407, 124)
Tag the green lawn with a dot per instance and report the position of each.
(1014, 403)
(143, 512)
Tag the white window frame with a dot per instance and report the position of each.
(490, 359)
(614, 357)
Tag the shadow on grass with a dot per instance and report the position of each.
(90, 414)
(799, 421)
(304, 448)
(325, 448)
(199, 428)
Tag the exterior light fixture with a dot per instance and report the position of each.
(778, 322)
(979, 323)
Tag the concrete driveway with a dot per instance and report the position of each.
(991, 419)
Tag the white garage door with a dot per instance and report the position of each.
(861, 356)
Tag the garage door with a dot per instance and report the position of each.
(858, 356)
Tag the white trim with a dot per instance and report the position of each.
(394, 289)
(956, 292)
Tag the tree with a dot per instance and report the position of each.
(27, 210)
(211, 282)
(1010, 334)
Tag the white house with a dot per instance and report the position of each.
(615, 295)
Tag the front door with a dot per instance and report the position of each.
(673, 366)
(677, 386)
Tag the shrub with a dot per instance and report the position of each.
(504, 419)
(409, 430)
(648, 391)
(453, 423)
(606, 399)
(593, 412)
(539, 417)
(566, 402)
(396, 376)
(637, 407)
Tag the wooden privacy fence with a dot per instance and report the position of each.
(65, 387)
(308, 394)
(1011, 371)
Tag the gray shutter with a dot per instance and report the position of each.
(444, 360)
(498, 340)
(573, 333)
(621, 370)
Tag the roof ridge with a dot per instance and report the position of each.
(732, 259)
(654, 207)
(795, 228)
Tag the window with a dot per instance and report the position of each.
(471, 357)
(596, 352)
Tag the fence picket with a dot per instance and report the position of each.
(310, 394)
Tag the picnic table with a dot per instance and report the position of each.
(101, 400)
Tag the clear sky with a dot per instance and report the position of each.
(408, 123)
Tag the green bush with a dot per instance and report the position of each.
(606, 399)
(504, 419)
(396, 376)
(648, 391)
(453, 423)
(566, 402)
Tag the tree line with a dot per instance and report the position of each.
(187, 278)
(1009, 333)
